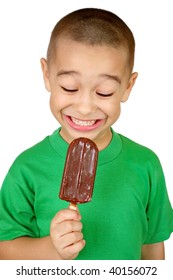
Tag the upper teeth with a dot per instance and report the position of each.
(82, 123)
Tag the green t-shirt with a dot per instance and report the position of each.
(130, 205)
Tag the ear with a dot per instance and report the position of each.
(44, 67)
(130, 85)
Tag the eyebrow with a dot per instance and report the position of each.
(111, 77)
(71, 72)
(66, 72)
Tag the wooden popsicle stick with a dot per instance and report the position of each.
(73, 206)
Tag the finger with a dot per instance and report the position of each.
(71, 238)
(66, 214)
(73, 250)
(67, 227)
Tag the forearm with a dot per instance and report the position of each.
(26, 248)
(154, 251)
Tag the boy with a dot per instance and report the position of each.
(88, 73)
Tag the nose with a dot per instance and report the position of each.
(85, 104)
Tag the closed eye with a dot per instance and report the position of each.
(69, 90)
(104, 94)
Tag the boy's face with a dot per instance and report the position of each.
(87, 85)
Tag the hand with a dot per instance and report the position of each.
(66, 235)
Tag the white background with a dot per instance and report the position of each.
(25, 118)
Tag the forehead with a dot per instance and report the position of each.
(69, 53)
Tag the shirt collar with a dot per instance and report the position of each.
(105, 155)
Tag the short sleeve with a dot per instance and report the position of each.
(17, 217)
(159, 210)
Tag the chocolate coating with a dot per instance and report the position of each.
(79, 171)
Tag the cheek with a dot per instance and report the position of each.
(52, 102)
(55, 104)
(58, 104)
(56, 101)
(113, 109)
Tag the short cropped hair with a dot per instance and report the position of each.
(94, 27)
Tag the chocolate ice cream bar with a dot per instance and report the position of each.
(79, 171)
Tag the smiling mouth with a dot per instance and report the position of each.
(84, 125)
(83, 122)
